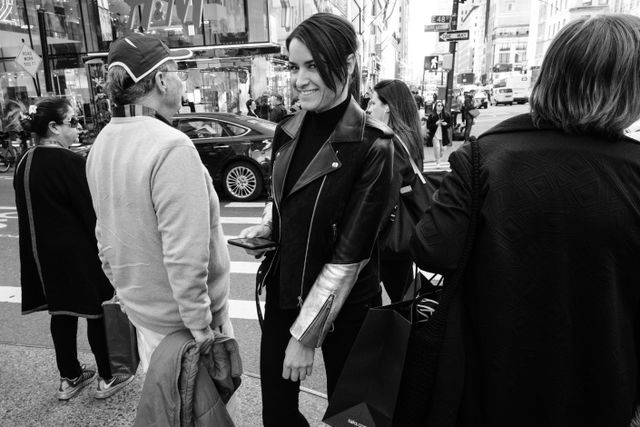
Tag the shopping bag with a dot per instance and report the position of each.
(474, 112)
(367, 389)
(122, 342)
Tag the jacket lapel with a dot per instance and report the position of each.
(324, 162)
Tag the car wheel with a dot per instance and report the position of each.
(242, 182)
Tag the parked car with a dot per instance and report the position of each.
(502, 95)
(235, 149)
(480, 99)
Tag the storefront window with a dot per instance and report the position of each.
(189, 22)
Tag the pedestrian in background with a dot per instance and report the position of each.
(60, 271)
(332, 175)
(262, 107)
(393, 104)
(158, 215)
(278, 111)
(295, 105)
(467, 117)
(438, 124)
(550, 300)
(251, 108)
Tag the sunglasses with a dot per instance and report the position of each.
(73, 121)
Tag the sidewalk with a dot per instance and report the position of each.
(28, 380)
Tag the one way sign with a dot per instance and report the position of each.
(453, 36)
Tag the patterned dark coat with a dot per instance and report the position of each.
(59, 266)
(551, 300)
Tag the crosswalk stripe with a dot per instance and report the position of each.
(240, 220)
(245, 205)
(238, 309)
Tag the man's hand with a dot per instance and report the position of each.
(298, 361)
(204, 339)
(259, 230)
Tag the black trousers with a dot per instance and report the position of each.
(396, 275)
(64, 331)
(280, 396)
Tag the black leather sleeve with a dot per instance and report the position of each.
(367, 208)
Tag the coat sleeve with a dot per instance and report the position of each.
(438, 240)
(365, 213)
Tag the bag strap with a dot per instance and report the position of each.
(415, 168)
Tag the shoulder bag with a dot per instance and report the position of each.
(413, 201)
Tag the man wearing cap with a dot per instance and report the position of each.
(158, 215)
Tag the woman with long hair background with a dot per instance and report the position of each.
(393, 104)
(438, 124)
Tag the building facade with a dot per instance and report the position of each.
(230, 39)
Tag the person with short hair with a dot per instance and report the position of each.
(251, 108)
(548, 330)
(332, 175)
(158, 216)
(278, 111)
(60, 271)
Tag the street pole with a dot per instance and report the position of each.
(452, 51)
(42, 26)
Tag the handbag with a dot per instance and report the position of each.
(367, 390)
(393, 371)
(122, 341)
(474, 112)
(413, 201)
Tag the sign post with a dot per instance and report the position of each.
(452, 51)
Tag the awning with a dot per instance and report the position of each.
(220, 51)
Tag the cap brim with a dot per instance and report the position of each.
(180, 54)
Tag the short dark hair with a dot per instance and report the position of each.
(47, 110)
(248, 103)
(121, 88)
(330, 40)
(589, 80)
(404, 118)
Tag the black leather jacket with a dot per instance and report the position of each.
(328, 224)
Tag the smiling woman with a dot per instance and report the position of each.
(333, 165)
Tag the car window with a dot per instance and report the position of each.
(196, 128)
(236, 130)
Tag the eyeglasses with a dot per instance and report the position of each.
(182, 75)
(73, 121)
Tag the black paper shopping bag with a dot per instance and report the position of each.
(368, 386)
(122, 342)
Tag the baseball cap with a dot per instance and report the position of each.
(140, 54)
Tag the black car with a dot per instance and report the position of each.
(235, 149)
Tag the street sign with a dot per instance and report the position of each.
(29, 60)
(441, 19)
(436, 27)
(453, 36)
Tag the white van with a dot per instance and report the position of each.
(502, 95)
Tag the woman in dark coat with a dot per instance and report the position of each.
(438, 124)
(393, 104)
(551, 300)
(331, 181)
(59, 265)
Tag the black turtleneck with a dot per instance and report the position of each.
(315, 131)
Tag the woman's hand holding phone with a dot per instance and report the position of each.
(259, 230)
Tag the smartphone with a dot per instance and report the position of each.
(254, 243)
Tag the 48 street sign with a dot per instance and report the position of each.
(453, 36)
(440, 19)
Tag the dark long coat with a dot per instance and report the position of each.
(432, 126)
(551, 301)
(59, 266)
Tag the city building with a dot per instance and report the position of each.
(470, 54)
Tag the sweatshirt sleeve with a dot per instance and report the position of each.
(181, 202)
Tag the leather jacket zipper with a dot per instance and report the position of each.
(306, 250)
